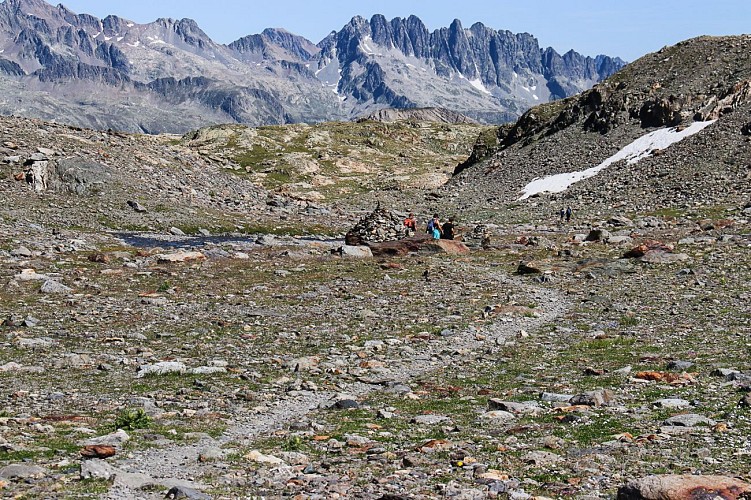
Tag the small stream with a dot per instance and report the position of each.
(246, 241)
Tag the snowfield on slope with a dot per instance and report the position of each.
(640, 148)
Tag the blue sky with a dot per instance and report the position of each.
(628, 29)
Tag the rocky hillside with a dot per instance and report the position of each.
(703, 79)
(169, 76)
(170, 328)
(58, 176)
(341, 162)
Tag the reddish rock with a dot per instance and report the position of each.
(709, 225)
(98, 451)
(684, 487)
(419, 243)
(669, 377)
(100, 257)
(453, 247)
(647, 246)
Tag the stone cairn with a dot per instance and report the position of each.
(380, 225)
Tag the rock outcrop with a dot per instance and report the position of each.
(684, 487)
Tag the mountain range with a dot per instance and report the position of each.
(169, 76)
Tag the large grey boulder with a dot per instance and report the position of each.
(354, 252)
(79, 176)
(22, 471)
(68, 175)
(680, 487)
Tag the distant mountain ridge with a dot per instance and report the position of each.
(169, 76)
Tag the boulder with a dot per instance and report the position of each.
(22, 471)
(620, 240)
(37, 175)
(115, 439)
(136, 206)
(257, 456)
(536, 267)
(684, 487)
(53, 287)
(597, 234)
(354, 252)
(182, 256)
(161, 368)
(30, 275)
(620, 221)
(184, 492)
(514, 407)
(650, 245)
(689, 420)
(69, 175)
(451, 247)
(98, 451)
(593, 398)
(79, 176)
(498, 416)
(419, 243)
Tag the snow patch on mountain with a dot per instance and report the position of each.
(637, 150)
(365, 46)
(479, 86)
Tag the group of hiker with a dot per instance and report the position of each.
(434, 228)
(565, 213)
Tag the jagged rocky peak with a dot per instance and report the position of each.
(29, 6)
(491, 76)
(437, 115)
(298, 45)
(276, 43)
(114, 25)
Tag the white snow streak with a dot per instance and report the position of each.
(479, 86)
(366, 47)
(640, 148)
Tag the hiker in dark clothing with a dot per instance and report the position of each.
(448, 230)
(568, 214)
(562, 213)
